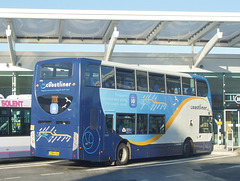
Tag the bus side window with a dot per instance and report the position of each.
(4, 126)
(108, 77)
(188, 86)
(205, 124)
(20, 119)
(202, 88)
(109, 123)
(173, 84)
(125, 79)
(142, 122)
(125, 123)
(91, 76)
(156, 124)
(156, 83)
(142, 81)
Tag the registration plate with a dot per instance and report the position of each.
(54, 153)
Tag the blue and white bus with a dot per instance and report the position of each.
(15, 114)
(85, 109)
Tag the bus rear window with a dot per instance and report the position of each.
(57, 70)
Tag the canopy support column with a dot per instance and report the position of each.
(111, 44)
(207, 48)
(11, 45)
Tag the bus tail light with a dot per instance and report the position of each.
(33, 139)
(75, 141)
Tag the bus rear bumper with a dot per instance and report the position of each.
(57, 153)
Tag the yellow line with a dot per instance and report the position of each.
(151, 140)
(155, 102)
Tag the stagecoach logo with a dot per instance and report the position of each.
(55, 85)
(237, 98)
(90, 140)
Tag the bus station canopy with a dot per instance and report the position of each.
(207, 29)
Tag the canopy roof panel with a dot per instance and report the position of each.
(135, 27)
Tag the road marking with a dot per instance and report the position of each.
(158, 163)
(7, 167)
(177, 175)
(50, 174)
(235, 166)
(12, 178)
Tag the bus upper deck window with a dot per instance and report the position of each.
(56, 70)
(156, 82)
(92, 76)
(108, 77)
(188, 85)
(202, 88)
(173, 84)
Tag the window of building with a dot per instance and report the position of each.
(91, 76)
(142, 84)
(125, 79)
(156, 124)
(156, 82)
(108, 77)
(142, 123)
(202, 88)
(205, 124)
(173, 84)
(24, 82)
(6, 83)
(125, 123)
(188, 85)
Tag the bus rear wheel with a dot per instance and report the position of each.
(187, 148)
(122, 154)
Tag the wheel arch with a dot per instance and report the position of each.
(126, 142)
(191, 143)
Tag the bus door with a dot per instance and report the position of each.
(109, 134)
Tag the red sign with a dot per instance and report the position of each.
(11, 103)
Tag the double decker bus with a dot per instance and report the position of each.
(15, 114)
(85, 109)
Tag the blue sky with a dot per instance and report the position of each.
(145, 5)
(133, 5)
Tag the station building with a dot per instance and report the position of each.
(113, 28)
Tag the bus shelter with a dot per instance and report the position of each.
(204, 30)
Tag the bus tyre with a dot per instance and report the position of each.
(122, 154)
(187, 148)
